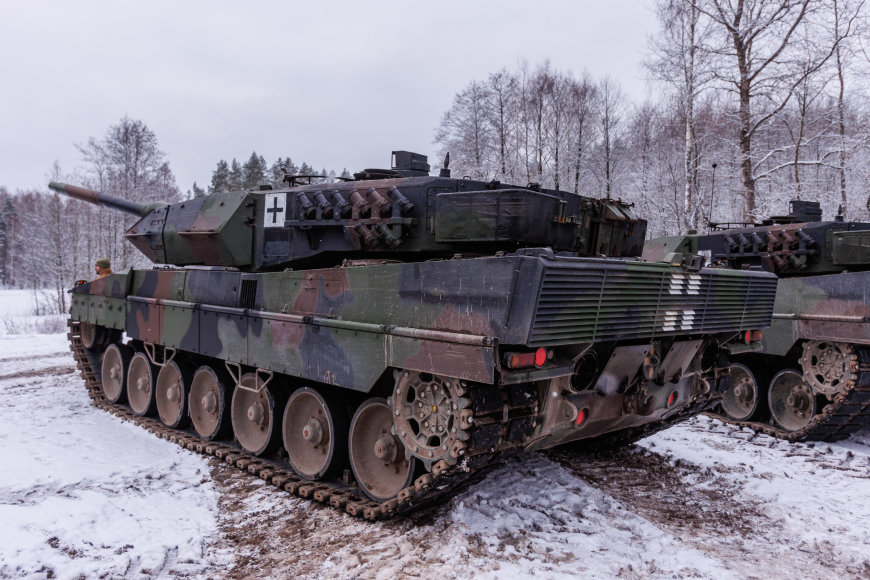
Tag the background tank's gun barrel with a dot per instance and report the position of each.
(97, 198)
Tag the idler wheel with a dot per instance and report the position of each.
(208, 403)
(792, 401)
(742, 400)
(253, 415)
(173, 382)
(116, 361)
(140, 385)
(378, 459)
(315, 433)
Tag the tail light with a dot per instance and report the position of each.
(520, 360)
(752, 336)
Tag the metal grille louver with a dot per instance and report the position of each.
(606, 300)
(248, 295)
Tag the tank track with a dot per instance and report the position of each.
(441, 483)
(848, 413)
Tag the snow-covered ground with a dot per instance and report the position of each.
(17, 310)
(84, 494)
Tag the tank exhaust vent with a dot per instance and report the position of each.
(248, 295)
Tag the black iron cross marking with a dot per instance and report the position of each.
(275, 210)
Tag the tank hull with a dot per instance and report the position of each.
(611, 359)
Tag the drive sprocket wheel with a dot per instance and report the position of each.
(829, 367)
(427, 411)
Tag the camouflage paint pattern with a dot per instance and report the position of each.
(408, 218)
(102, 301)
(347, 326)
(831, 307)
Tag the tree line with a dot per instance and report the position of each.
(48, 241)
(255, 171)
(759, 102)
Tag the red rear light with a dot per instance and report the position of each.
(752, 335)
(582, 415)
(519, 360)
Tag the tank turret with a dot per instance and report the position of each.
(796, 244)
(215, 230)
(400, 213)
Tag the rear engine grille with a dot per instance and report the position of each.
(586, 302)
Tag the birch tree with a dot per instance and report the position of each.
(584, 101)
(610, 155)
(758, 59)
(678, 61)
(464, 131)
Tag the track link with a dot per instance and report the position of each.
(848, 413)
(439, 484)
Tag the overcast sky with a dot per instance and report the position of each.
(338, 84)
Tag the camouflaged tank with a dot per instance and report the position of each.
(813, 379)
(375, 343)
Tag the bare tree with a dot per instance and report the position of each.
(677, 61)
(801, 125)
(610, 147)
(755, 42)
(502, 114)
(558, 119)
(540, 84)
(127, 162)
(847, 14)
(464, 130)
(584, 99)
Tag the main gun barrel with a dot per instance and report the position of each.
(97, 198)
